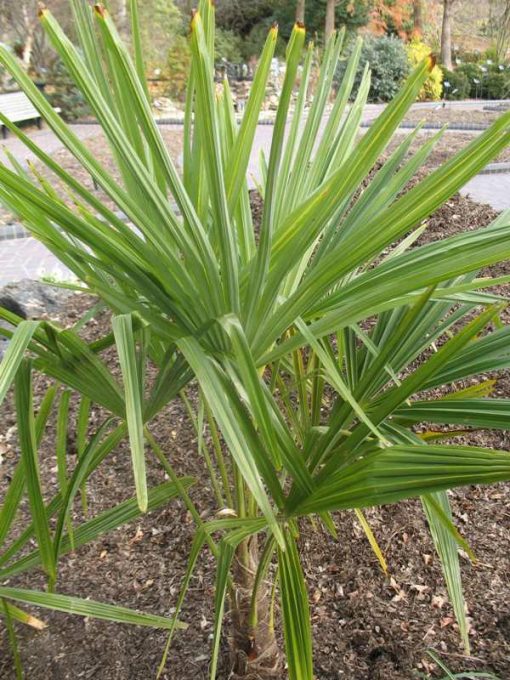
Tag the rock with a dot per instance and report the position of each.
(36, 298)
(30, 299)
(165, 108)
(10, 304)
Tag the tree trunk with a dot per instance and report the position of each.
(446, 35)
(503, 32)
(27, 50)
(300, 12)
(330, 19)
(417, 18)
(255, 652)
(28, 42)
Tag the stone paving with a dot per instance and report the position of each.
(46, 140)
(493, 189)
(27, 258)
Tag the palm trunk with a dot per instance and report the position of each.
(255, 652)
(330, 19)
(446, 35)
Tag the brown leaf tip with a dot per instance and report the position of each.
(275, 25)
(100, 10)
(41, 9)
(432, 61)
(300, 25)
(194, 18)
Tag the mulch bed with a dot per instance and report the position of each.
(451, 115)
(366, 625)
(447, 146)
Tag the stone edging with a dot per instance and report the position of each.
(495, 169)
(12, 231)
(174, 121)
(436, 126)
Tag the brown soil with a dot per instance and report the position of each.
(366, 625)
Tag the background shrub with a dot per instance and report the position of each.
(466, 56)
(492, 53)
(63, 93)
(253, 42)
(432, 89)
(389, 64)
(496, 85)
(178, 66)
(228, 46)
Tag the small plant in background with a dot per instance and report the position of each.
(450, 675)
(455, 84)
(309, 345)
(486, 80)
(254, 41)
(473, 74)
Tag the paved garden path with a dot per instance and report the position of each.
(46, 140)
(493, 189)
(26, 258)
(23, 258)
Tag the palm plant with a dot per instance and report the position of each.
(314, 339)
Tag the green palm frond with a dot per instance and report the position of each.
(312, 338)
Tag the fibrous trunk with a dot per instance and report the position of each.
(255, 652)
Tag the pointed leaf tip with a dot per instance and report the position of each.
(41, 10)
(300, 26)
(431, 61)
